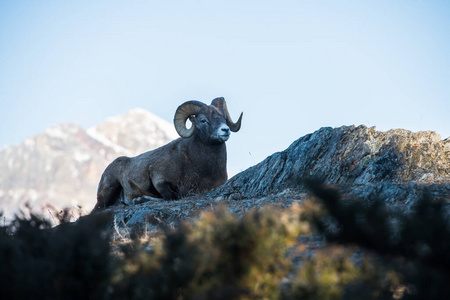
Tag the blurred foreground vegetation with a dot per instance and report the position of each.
(371, 252)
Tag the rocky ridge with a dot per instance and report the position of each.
(358, 159)
(396, 166)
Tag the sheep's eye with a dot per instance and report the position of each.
(203, 121)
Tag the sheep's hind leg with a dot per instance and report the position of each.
(142, 192)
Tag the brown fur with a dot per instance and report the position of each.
(184, 166)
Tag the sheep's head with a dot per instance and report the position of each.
(212, 122)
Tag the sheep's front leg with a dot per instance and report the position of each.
(108, 192)
(165, 189)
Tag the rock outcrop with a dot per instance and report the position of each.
(397, 165)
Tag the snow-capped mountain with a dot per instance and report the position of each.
(62, 166)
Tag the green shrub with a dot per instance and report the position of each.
(219, 257)
(222, 256)
(324, 276)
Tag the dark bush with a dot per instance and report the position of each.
(222, 256)
(66, 262)
(415, 244)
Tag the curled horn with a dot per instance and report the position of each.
(220, 103)
(184, 111)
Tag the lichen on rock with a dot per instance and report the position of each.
(351, 157)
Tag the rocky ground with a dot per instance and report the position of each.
(153, 213)
(397, 166)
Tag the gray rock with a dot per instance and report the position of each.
(394, 165)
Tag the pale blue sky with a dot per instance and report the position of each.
(291, 66)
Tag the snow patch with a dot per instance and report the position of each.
(81, 157)
(75, 172)
(33, 194)
(30, 142)
(62, 131)
(93, 133)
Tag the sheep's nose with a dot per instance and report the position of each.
(226, 130)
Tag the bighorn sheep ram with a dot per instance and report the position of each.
(190, 164)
